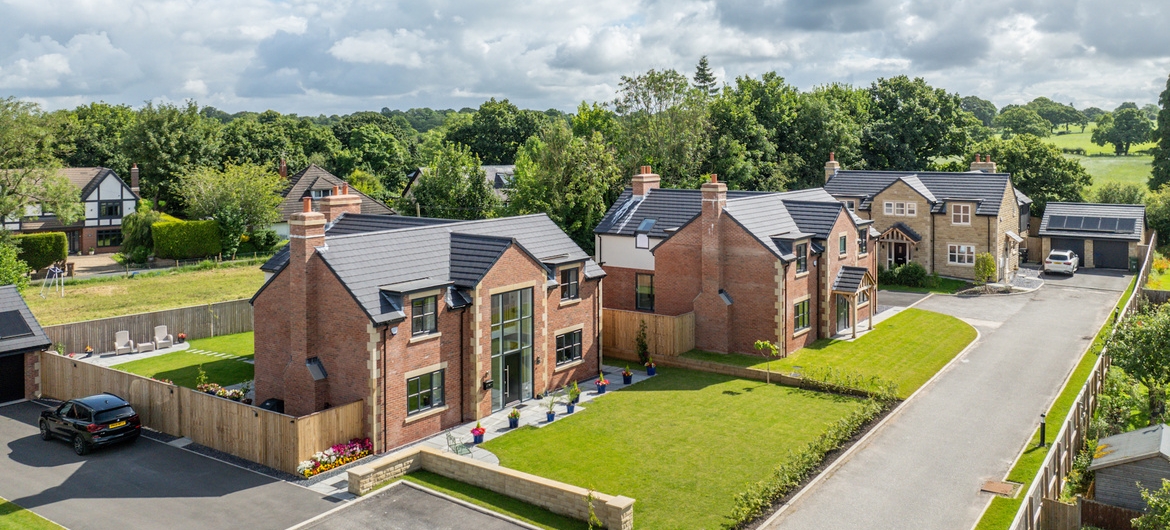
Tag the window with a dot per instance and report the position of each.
(863, 298)
(961, 214)
(889, 209)
(911, 209)
(802, 258)
(569, 347)
(511, 342)
(109, 238)
(569, 283)
(422, 315)
(320, 194)
(424, 392)
(842, 245)
(849, 204)
(110, 209)
(901, 209)
(644, 292)
(863, 243)
(961, 254)
(800, 316)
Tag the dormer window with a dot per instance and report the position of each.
(801, 258)
(961, 214)
(320, 194)
(642, 234)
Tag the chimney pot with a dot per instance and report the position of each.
(283, 168)
(335, 190)
(645, 181)
(308, 204)
(345, 189)
(714, 178)
(645, 170)
(832, 156)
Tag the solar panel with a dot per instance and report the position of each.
(12, 324)
(1109, 224)
(1090, 223)
(1125, 225)
(1073, 223)
(1056, 221)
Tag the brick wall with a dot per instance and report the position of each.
(271, 339)
(566, 315)
(32, 375)
(678, 273)
(749, 277)
(619, 287)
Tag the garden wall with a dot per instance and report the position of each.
(276, 440)
(666, 335)
(198, 322)
(615, 512)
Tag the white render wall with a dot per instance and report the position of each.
(619, 251)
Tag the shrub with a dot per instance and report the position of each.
(42, 249)
(887, 276)
(137, 238)
(643, 346)
(984, 268)
(13, 270)
(911, 275)
(186, 239)
(264, 240)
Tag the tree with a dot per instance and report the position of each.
(984, 268)
(453, 187)
(705, 81)
(567, 177)
(1114, 192)
(28, 171)
(769, 349)
(594, 118)
(1161, 171)
(1157, 514)
(663, 124)
(1092, 113)
(981, 108)
(367, 184)
(373, 150)
(1022, 120)
(496, 131)
(1141, 346)
(1124, 128)
(1038, 169)
(91, 136)
(137, 238)
(1158, 211)
(13, 271)
(913, 123)
(238, 197)
(167, 142)
(1151, 111)
(741, 153)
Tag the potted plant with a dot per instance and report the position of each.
(574, 393)
(602, 382)
(89, 351)
(182, 338)
(627, 376)
(91, 251)
(514, 418)
(477, 433)
(650, 366)
(551, 405)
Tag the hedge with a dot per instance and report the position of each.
(185, 239)
(42, 249)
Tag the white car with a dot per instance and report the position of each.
(1065, 261)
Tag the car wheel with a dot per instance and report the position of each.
(79, 446)
(46, 434)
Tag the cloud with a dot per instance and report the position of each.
(397, 48)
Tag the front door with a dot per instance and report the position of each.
(843, 313)
(11, 378)
(511, 347)
(512, 379)
(899, 254)
(74, 237)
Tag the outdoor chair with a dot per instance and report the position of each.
(162, 339)
(456, 446)
(145, 347)
(122, 343)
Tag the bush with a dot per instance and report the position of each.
(137, 239)
(264, 240)
(186, 239)
(42, 249)
(984, 268)
(887, 276)
(911, 275)
(13, 270)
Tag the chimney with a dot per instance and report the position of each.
(645, 181)
(134, 178)
(306, 233)
(340, 202)
(283, 169)
(983, 164)
(710, 307)
(831, 166)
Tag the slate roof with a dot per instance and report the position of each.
(673, 208)
(985, 189)
(349, 223)
(1132, 446)
(849, 279)
(316, 178)
(906, 230)
(1136, 212)
(371, 264)
(10, 300)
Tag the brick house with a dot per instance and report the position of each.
(785, 267)
(106, 198)
(316, 183)
(432, 322)
(939, 220)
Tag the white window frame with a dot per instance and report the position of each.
(911, 209)
(900, 209)
(961, 254)
(889, 208)
(961, 214)
(850, 204)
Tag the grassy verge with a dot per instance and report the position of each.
(906, 349)
(682, 443)
(13, 517)
(182, 367)
(1002, 511)
(109, 297)
(945, 286)
(495, 502)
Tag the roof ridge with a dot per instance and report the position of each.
(468, 222)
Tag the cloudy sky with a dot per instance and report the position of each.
(325, 56)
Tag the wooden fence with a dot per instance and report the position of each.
(665, 335)
(1071, 437)
(1105, 516)
(276, 440)
(201, 321)
(1153, 296)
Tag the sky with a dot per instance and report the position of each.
(327, 57)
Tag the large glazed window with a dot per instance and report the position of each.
(644, 292)
(511, 347)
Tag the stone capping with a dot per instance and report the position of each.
(615, 512)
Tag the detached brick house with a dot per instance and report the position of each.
(432, 322)
(316, 183)
(106, 199)
(785, 267)
(937, 219)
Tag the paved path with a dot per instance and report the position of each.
(924, 468)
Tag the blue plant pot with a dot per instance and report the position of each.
(478, 438)
(627, 379)
(651, 370)
(551, 416)
(513, 423)
(570, 407)
(601, 389)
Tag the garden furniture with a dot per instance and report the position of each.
(122, 343)
(456, 446)
(162, 339)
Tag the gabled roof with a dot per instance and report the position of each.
(473, 255)
(1022, 199)
(13, 313)
(903, 228)
(777, 221)
(851, 279)
(1132, 446)
(1095, 221)
(984, 189)
(348, 223)
(316, 178)
(88, 179)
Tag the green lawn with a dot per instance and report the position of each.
(87, 300)
(682, 443)
(907, 349)
(13, 517)
(182, 367)
(495, 502)
(1002, 511)
(945, 286)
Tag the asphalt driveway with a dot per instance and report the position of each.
(405, 507)
(924, 468)
(144, 485)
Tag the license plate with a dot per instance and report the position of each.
(116, 425)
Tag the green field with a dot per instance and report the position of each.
(1100, 161)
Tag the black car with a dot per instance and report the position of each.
(92, 421)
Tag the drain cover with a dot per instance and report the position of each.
(1004, 489)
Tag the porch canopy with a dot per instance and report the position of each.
(854, 283)
(899, 232)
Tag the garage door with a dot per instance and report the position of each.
(1075, 245)
(11, 378)
(1110, 254)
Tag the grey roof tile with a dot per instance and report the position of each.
(905, 229)
(1136, 212)
(314, 177)
(849, 279)
(10, 300)
(472, 256)
(986, 189)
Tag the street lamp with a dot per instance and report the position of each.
(1043, 423)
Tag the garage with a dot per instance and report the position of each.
(20, 334)
(1109, 254)
(1075, 245)
(11, 378)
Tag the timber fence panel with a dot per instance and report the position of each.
(324, 429)
(198, 322)
(665, 335)
(155, 402)
(1101, 515)
(1060, 516)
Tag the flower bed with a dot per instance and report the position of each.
(216, 390)
(336, 456)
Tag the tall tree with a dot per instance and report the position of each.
(28, 171)
(664, 125)
(1023, 120)
(1092, 113)
(238, 197)
(913, 123)
(1161, 172)
(704, 78)
(1038, 169)
(1141, 346)
(91, 136)
(1114, 192)
(453, 187)
(741, 152)
(567, 177)
(594, 118)
(375, 151)
(1124, 128)
(497, 130)
(981, 108)
(167, 142)
(1151, 111)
